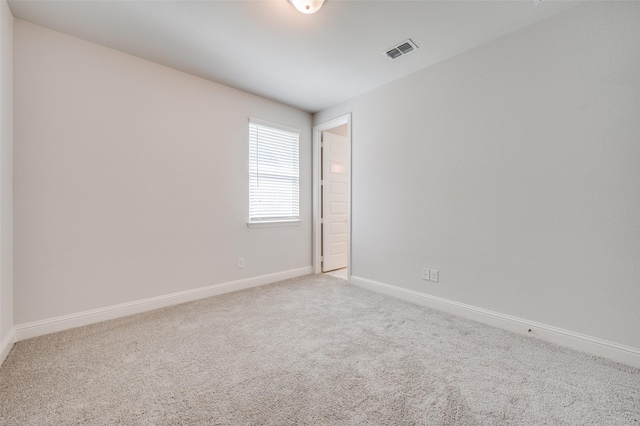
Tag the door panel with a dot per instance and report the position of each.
(338, 209)
(334, 206)
(339, 228)
(338, 167)
(338, 188)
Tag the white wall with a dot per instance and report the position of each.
(513, 169)
(6, 175)
(131, 180)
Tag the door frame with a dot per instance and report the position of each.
(317, 190)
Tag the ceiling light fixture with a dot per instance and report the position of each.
(307, 6)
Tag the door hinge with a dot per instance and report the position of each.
(321, 258)
(321, 221)
(321, 182)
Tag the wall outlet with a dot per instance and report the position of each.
(240, 262)
(426, 274)
(434, 275)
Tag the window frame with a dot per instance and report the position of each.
(271, 222)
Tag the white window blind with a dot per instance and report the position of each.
(274, 177)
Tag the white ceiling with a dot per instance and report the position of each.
(268, 48)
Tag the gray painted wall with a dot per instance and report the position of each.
(6, 171)
(513, 169)
(131, 179)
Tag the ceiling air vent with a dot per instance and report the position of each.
(401, 49)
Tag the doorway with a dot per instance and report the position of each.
(332, 197)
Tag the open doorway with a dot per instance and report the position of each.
(332, 197)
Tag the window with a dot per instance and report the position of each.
(274, 177)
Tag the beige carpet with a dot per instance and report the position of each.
(312, 350)
(338, 273)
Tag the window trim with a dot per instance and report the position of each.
(276, 222)
(273, 223)
(274, 125)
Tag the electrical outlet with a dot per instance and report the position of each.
(434, 275)
(240, 262)
(426, 274)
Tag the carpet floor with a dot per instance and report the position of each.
(308, 351)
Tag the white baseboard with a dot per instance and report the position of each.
(580, 342)
(7, 344)
(65, 322)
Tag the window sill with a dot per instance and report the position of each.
(273, 224)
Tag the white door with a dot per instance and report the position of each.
(334, 201)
